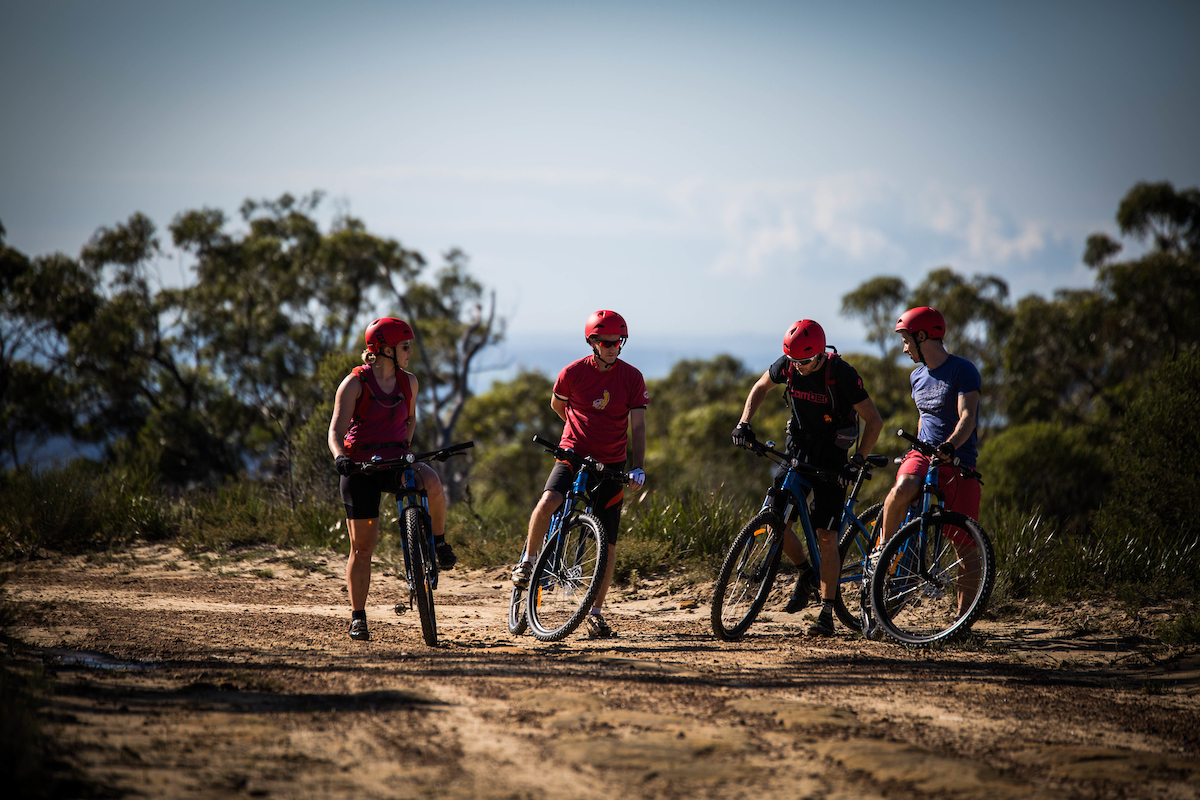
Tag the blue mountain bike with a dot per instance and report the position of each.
(934, 577)
(751, 568)
(570, 566)
(420, 559)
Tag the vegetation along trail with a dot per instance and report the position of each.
(164, 675)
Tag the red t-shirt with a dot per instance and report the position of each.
(598, 405)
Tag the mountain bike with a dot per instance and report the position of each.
(748, 574)
(420, 559)
(570, 566)
(933, 578)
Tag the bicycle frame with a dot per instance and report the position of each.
(575, 502)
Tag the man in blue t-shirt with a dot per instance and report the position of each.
(946, 389)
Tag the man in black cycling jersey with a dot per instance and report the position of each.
(826, 398)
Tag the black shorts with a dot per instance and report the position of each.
(607, 496)
(828, 502)
(362, 491)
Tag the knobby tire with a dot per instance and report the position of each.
(747, 576)
(420, 559)
(566, 578)
(853, 549)
(518, 622)
(920, 609)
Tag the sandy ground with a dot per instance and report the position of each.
(170, 677)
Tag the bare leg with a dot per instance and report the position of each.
(968, 575)
(902, 495)
(539, 521)
(606, 581)
(831, 563)
(364, 534)
(432, 485)
(792, 547)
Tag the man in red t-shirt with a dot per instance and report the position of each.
(602, 400)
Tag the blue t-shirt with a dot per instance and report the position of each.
(936, 394)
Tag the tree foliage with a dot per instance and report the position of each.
(216, 377)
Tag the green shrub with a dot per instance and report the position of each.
(80, 507)
(1182, 628)
(1046, 469)
(1150, 514)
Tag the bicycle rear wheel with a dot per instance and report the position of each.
(566, 578)
(518, 622)
(747, 576)
(932, 583)
(854, 547)
(422, 563)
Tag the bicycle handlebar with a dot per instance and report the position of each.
(764, 449)
(586, 463)
(408, 459)
(929, 451)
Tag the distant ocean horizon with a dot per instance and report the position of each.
(653, 355)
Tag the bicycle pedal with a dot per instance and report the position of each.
(400, 608)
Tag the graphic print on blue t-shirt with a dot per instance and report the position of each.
(936, 394)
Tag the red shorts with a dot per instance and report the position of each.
(962, 494)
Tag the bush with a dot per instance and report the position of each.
(1149, 520)
(1044, 469)
(80, 507)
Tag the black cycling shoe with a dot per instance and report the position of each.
(803, 591)
(822, 627)
(445, 555)
(358, 630)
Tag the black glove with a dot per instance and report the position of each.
(343, 465)
(945, 451)
(743, 433)
(849, 472)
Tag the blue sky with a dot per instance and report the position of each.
(713, 171)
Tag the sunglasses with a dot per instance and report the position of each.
(803, 362)
(604, 343)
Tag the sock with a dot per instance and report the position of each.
(826, 608)
(439, 539)
(597, 612)
(359, 614)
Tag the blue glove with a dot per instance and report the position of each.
(636, 478)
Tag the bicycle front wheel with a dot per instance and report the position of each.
(518, 623)
(566, 578)
(747, 576)
(854, 547)
(933, 579)
(421, 561)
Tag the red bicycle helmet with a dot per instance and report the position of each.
(387, 332)
(923, 318)
(804, 339)
(607, 323)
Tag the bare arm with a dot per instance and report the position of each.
(872, 425)
(968, 411)
(411, 427)
(637, 437)
(343, 409)
(758, 393)
(559, 406)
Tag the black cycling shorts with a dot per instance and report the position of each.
(828, 502)
(362, 491)
(607, 496)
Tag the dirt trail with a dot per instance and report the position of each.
(177, 679)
